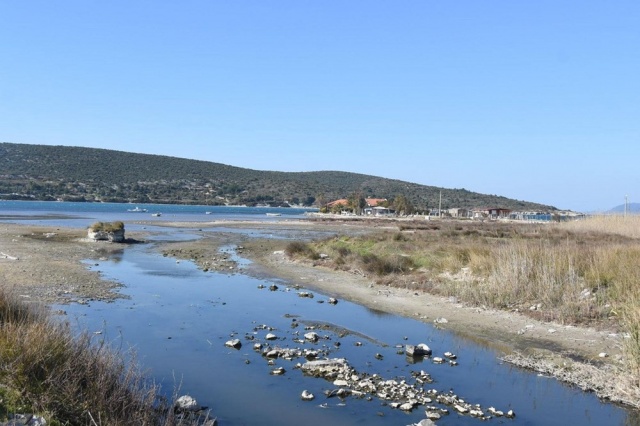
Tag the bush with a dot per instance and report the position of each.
(302, 249)
(107, 226)
(387, 265)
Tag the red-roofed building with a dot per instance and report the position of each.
(343, 203)
(374, 202)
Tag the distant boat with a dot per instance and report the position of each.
(273, 214)
(156, 214)
(207, 212)
(137, 210)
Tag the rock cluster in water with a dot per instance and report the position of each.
(402, 394)
(399, 394)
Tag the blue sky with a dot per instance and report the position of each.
(534, 100)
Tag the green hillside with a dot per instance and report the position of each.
(43, 172)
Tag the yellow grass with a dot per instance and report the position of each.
(70, 380)
(628, 226)
(586, 271)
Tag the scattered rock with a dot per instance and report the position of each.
(312, 336)
(235, 343)
(307, 396)
(425, 422)
(278, 371)
(418, 350)
(187, 403)
(25, 419)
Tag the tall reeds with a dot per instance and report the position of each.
(69, 379)
(583, 272)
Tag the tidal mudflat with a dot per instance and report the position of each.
(181, 319)
(177, 316)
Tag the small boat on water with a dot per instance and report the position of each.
(156, 214)
(273, 214)
(207, 212)
(137, 210)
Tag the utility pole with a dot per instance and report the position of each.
(440, 207)
(626, 203)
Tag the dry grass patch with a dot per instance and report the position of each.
(69, 379)
(584, 272)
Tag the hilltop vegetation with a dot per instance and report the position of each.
(41, 172)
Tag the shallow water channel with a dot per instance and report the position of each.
(178, 318)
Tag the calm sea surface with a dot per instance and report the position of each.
(177, 319)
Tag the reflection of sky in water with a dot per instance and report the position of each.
(179, 317)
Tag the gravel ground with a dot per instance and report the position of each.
(44, 265)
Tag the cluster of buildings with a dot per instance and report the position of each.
(500, 213)
(374, 207)
(379, 207)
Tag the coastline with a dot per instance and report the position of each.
(47, 268)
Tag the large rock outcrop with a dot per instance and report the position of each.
(112, 232)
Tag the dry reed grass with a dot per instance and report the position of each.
(627, 226)
(70, 380)
(583, 272)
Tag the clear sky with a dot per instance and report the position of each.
(536, 100)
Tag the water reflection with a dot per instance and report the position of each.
(178, 319)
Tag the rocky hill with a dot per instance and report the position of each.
(43, 172)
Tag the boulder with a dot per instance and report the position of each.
(307, 396)
(187, 403)
(418, 350)
(311, 336)
(111, 236)
(235, 343)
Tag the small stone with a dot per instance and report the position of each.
(235, 343)
(307, 396)
(432, 416)
(311, 336)
(187, 403)
(406, 406)
(278, 371)
(461, 409)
